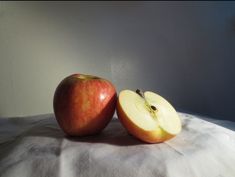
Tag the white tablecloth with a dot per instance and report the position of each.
(36, 147)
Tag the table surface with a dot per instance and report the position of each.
(35, 146)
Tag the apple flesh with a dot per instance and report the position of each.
(84, 104)
(148, 117)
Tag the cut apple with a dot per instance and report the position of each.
(148, 116)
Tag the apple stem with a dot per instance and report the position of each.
(140, 93)
(151, 108)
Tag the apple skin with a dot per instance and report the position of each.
(155, 136)
(83, 104)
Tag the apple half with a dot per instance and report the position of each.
(148, 116)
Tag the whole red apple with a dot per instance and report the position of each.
(84, 104)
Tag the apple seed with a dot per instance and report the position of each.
(151, 108)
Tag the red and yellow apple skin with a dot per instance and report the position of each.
(154, 136)
(84, 104)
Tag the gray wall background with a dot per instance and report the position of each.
(185, 51)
